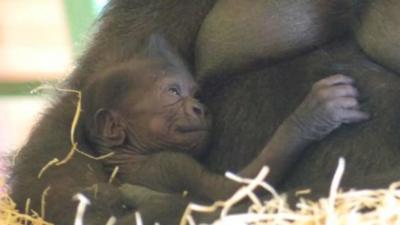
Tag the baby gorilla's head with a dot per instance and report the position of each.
(145, 106)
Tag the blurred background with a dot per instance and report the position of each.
(39, 41)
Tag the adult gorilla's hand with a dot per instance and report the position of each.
(331, 102)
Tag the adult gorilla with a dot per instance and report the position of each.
(256, 61)
(279, 51)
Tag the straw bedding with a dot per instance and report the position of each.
(371, 207)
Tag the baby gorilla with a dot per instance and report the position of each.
(145, 112)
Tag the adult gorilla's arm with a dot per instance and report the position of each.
(123, 28)
(263, 32)
(126, 25)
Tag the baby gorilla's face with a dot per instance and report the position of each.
(166, 116)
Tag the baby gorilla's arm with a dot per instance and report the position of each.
(331, 102)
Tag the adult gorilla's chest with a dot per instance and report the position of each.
(250, 106)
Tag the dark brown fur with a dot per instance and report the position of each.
(122, 30)
(262, 95)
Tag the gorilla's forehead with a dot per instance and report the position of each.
(172, 74)
(153, 70)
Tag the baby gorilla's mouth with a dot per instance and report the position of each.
(191, 129)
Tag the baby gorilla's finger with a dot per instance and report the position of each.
(136, 195)
(342, 90)
(354, 116)
(335, 80)
(344, 103)
(153, 206)
(132, 194)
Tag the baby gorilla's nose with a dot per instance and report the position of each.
(195, 109)
(199, 110)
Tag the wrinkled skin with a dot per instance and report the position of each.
(252, 82)
(145, 107)
(331, 103)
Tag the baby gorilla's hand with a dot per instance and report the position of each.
(153, 206)
(331, 102)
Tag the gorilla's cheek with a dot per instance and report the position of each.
(170, 134)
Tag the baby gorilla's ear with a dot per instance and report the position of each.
(109, 126)
(158, 48)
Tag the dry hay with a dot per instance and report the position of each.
(74, 144)
(9, 215)
(371, 207)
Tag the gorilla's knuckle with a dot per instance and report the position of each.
(340, 76)
(330, 106)
(318, 85)
(349, 90)
(336, 116)
(323, 94)
(352, 102)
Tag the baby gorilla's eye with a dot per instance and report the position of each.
(174, 91)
